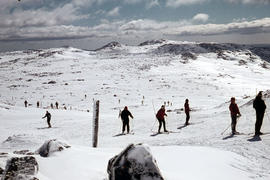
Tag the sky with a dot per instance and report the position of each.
(89, 24)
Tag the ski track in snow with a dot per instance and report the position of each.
(128, 74)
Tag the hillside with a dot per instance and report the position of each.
(143, 78)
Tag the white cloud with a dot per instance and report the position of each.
(177, 3)
(250, 1)
(41, 17)
(148, 3)
(201, 17)
(114, 12)
(246, 27)
(152, 3)
(141, 28)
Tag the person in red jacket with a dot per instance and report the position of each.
(187, 110)
(234, 114)
(160, 116)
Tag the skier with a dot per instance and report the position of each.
(25, 103)
(125, 119)
(56, 105)
(37, 104)
(48, 115)
(187, 110)
(234, 114)
(259, 106)
(52, 105)
(160, 116)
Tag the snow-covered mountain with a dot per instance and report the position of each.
(141, 77)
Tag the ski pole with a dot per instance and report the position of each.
(229, 126)
(225, 130)
(154, 115)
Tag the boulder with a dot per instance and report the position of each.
(134, 163)
(23, 152)
(20, 168)
(50, 147)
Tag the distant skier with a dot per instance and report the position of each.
(56, 105)
(235, 113)
(125, 119)
(25, 103)
(187, 110)
(48, 115)
(52, 105)
(161, 120)
(259, 106)
(37, 104)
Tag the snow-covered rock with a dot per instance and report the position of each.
(1, 171)
(110, 45)
(134, 163)
(152, 42)
(50, 147)
(20, 168)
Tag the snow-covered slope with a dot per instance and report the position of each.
(143, 78)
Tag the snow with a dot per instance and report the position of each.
(127, 73)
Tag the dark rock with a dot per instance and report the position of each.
(152, 42)
(1, 171)
(242, 62)
(134, 163)
(3, 154)
(20, 168)
(23, 152)
(265, 65)
(110, 45)
(188, 55)
(50, 147)
(52, 82)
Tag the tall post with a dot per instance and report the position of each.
(95, 123)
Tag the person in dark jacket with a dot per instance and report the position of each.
(160, 117)
(25, 103)
(259, 106)
(37, 104)
(234, 114)
(125, 119)
(48, 115)
(187, 110)
(56, 105)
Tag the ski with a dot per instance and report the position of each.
(123, 134)
(185, 125)
(155, 134)
(46, 128)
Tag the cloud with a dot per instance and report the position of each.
(133, 30)
(148, 3)
(177, 3)
(201, 17)
(152, 3)
(114, 12)
(40, 17)
(250, 1)
(245, 27)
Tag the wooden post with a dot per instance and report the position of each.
(95, 123)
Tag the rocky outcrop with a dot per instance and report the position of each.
(152, 42)
(21, 168)
(50, 147)
(110, 45)
(134, 163)
(23, 152)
